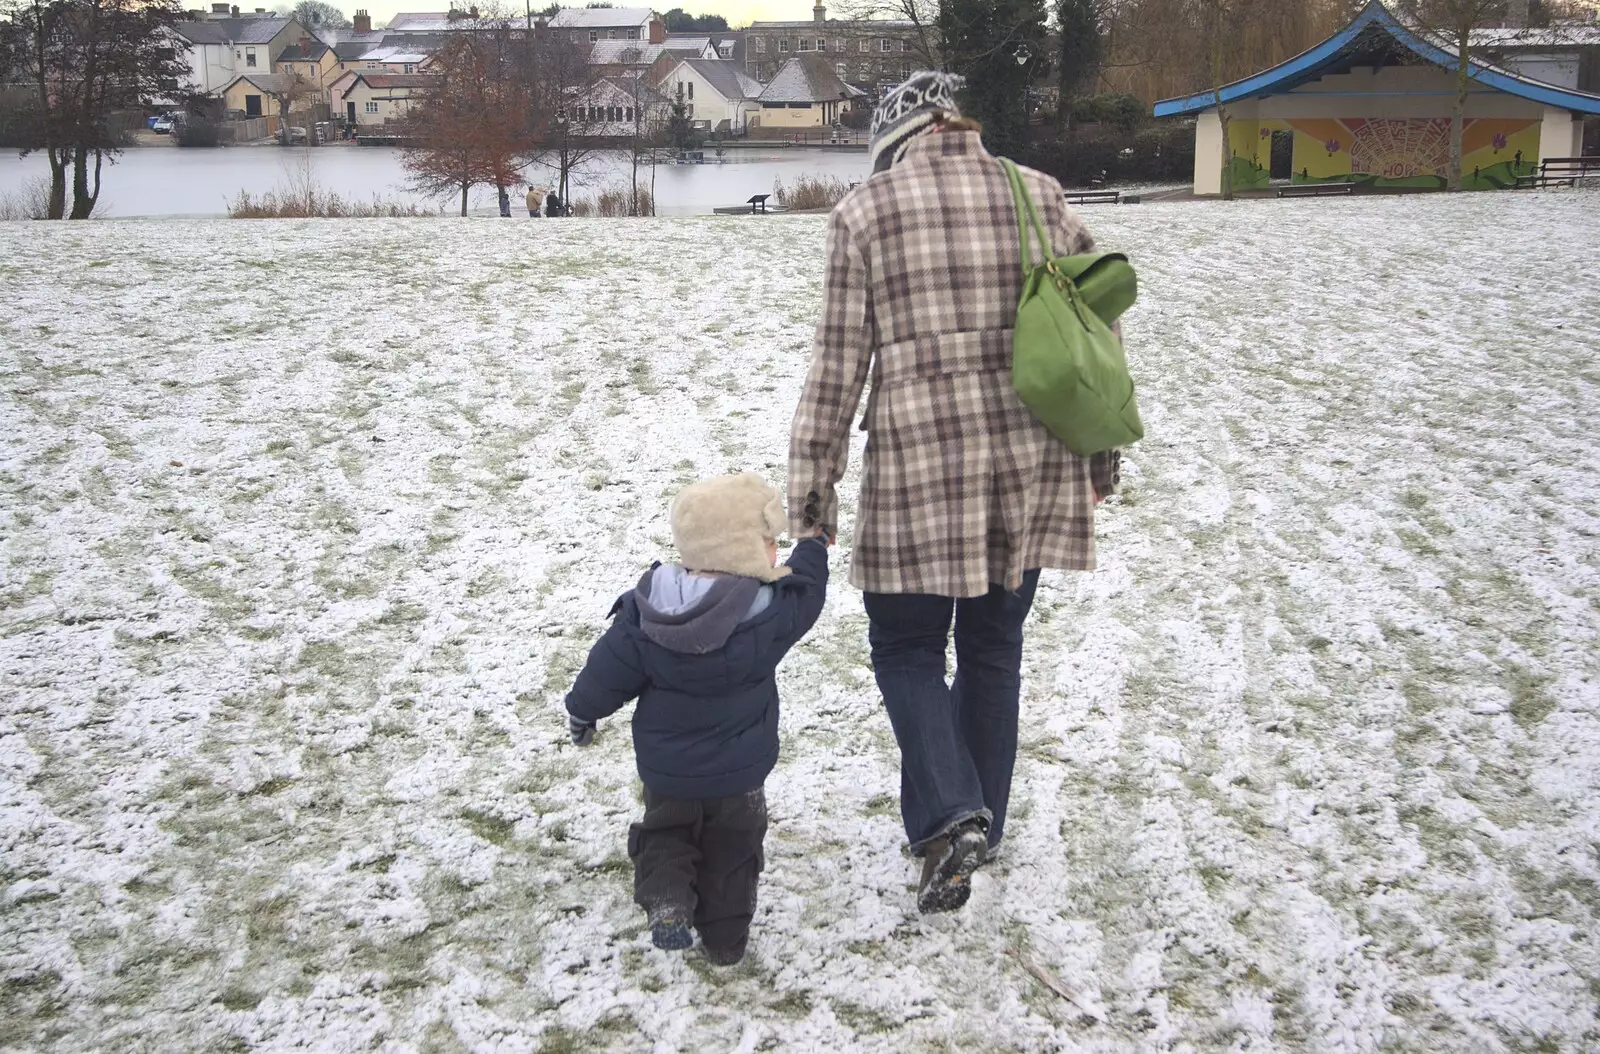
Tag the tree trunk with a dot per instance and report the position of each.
(463, 200)
(58, 182)
(82, 203)
(1223, 119)
(1458, 116)
(1227, 154)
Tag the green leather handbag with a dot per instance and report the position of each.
(1067, 365)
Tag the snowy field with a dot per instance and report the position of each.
(306, 526)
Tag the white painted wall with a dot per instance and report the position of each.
(1208, 153)
(210, 65)
(710, 106)
(1560, 134)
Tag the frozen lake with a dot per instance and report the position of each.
(151, 181)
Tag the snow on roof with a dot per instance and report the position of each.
(1575, 36)
(252, 30)
(837, 23)
(600, 17)
(391, 53)
(686, 42)
(807, 78)
(625, 53)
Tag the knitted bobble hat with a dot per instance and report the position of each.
(907, 111)
(723, 524)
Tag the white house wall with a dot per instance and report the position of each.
(1560, 134)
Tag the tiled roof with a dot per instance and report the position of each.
(625, 53)
(303, 52)
(201, 32)
(729, 81)
(686, 42)
(252, 30)
(600, 17)
(385, 81)
(808, 78)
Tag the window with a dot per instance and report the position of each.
(839, 45)
(594, 35)
(761, 45)
(783, 46)
(905, 71)
(866, 46)
(691, 90)
(249, 56)
(842, 70)
(885, 44)
(805, 43)
(611, 34)
(410, 68)
(725, 50)
(822, 45)
(633, 34)
(373, 65)
(372, 107)
(905, 45)
(629, 117)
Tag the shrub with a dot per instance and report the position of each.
(198, 131)
(278, 205)
(614, 200)
(810, 192)
(1163, 154)
(857, 120)
(1117, 109)
(31, 201)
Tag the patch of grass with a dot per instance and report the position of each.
(496, 830)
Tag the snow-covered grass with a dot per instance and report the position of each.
(305, 527)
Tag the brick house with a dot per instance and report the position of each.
(867, 54)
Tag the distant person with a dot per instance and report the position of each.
(965, 494)
(535, 198)
(505, 203)
(552, 205)
(698, 644)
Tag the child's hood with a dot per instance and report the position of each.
(696, 614)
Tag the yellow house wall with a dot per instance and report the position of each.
(1388, 126)
(393, 104)
(233, 98)
(792, 118)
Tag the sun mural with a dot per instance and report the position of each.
(1399, 149)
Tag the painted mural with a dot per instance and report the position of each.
(1388, 153)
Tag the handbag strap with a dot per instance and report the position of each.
(1026, 213)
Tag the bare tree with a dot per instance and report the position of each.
(290, 90)
(475, 127)
(1450, 24)
(561, 82)
(923, 16)
(650, 121)
(87, 62)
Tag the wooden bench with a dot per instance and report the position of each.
(1315, 190)
(757, 205)
(1093, 197)
(1562, 172)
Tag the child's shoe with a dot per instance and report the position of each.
(671, 932)
(727, 956)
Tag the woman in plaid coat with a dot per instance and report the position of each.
(965, 495)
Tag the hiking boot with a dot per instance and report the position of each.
(670, 931)
(947, 866)
(726, 956)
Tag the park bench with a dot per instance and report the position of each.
(1562, 172)
(1093, 197)
(758, 203)
(1315, 190)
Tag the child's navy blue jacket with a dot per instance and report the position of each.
(707, 724)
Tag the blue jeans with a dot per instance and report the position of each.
(958, 741)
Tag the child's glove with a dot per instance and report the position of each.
(582, 731)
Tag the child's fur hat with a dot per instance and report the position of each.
(724, 524)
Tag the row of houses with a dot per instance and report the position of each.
(771, 75)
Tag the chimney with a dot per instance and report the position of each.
(658, 31)
(362, 21)
(235, 10)
(819, 13)
(261, 10)
(219, 10)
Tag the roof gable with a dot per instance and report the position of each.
(807, 78)
(1374, 23)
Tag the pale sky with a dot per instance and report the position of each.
(737, 12)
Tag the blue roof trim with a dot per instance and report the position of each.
(1303, 67)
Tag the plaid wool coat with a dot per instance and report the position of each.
(962, 486)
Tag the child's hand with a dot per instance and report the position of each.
(823, 535)
(582, 731)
